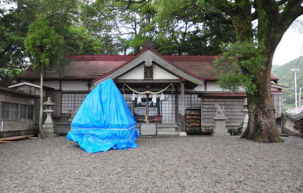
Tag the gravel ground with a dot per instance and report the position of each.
(159, 165)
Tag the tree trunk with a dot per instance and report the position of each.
(41, 132)
(261, 124)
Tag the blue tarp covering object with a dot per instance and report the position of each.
(104, 121)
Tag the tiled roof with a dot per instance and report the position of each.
(99, 66)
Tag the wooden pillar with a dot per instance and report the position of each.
(59, 99)
(176, 105)
(1, 118)
(182, 103)
(182, 107)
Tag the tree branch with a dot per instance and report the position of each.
(291, 12)
(227, 7)
(282, 2)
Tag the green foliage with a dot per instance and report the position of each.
(13, 29)
(191, 29)
(9, 72)
(43, 44)
(239, 65)
(79, 41)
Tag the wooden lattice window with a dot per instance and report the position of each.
(14, 112)
(148, 72)
(71, 102)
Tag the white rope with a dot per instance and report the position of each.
(148, 91)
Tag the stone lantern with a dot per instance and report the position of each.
(48, 126)
(245, 117)
(220, 121)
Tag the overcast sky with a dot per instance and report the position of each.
(290, 47)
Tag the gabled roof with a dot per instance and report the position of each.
(20, 84)
(15, 92)
(150, 56)
(98, 67)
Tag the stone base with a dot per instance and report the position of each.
(48, 131)
(148, 129)
(220, 127)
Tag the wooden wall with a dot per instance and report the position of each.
(233, 108)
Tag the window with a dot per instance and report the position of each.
(23, 111)
(13, 112)
(5, 111)
(30, 112)
(10, 111)
(72, 101)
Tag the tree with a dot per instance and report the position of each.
(14, 24)
(44, 46)
(53, 36)
(272, 18)
(182, 32)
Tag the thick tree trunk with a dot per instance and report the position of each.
(261, 124)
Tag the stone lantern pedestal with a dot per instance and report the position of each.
(48, 125)
(220, 122)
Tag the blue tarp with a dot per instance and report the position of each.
(104, 121)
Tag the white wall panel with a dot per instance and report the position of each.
(136, 73)
(160, 73)
(75, 85)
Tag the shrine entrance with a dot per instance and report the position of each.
(154, 106)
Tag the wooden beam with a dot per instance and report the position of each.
(147, 81)
(15, 138)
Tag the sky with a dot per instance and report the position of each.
(290, 47)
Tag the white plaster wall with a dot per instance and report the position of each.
(200, 88)
(75, 85)
(214, 86)
(160, 73)
(67, 85)
(136, 73)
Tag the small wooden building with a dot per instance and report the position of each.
(17, 113)
(177, 93)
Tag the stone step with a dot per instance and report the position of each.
(168, 133)
(166, 129)
(167, 125)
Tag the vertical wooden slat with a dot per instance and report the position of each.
(176, 104)
(182, 104)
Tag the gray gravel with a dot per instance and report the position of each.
(159, 165)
